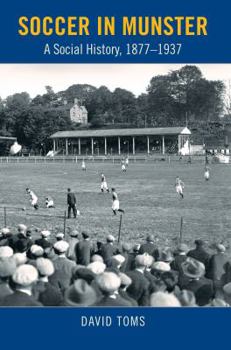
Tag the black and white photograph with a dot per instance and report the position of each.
(115, 185)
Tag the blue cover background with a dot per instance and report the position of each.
(213, 48)
(165, 328)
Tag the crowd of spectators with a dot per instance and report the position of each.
(72, 271)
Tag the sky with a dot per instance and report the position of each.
(33, 78)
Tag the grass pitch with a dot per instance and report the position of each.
(146, 193)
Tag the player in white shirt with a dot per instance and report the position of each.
(126, 161)
(123, 165)
(115, 202)
(83, 165)
(33, 198)
(207, 173)
(49, 202)
(179, 185)
(104, 186)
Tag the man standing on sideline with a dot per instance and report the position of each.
(71, 202)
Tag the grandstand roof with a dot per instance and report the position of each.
(121, 132)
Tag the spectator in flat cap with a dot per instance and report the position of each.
(131, 257)
(202, 287)
(83, 250)
(216, 265)
(109, 283)
(35, 252)
(139, 289)
(72, 239)
(44, 240)
(64, 268)
(47, 294)
(24, 279)
(163, 299)
(149, 247)
(116, 262)
(20, 258)
(80, 294)
(6, 235)
(7, 269)
(180, 257)
(125, 251)
(6, 252)
(59, 236)
(97, 267)
(108, 250)
(200, 253)
(20, 242)
(125, 283)
(96, 257)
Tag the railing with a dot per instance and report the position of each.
(107, 159)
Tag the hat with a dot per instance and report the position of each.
(108, 282)
(61, 246)
(80, 294)
(22, 228)
(220, 248)
(59, 235)
(193, 268)
(97, 267)
(85, 274)
(45, 267)
(5, 230)
(20, 258)
(45, 233)
(7, 267)
(161, 266)
(118, 259)
(150, 238)
(6, 252)
(126, 247)
(74, 233)
(36, 250)
(96, 257)
(125, 279)
(187, 298)
(25, 275)
(183, 248)
(85, 235)
(199, 242)
(110, 238)
(143, 260)
(166, 255)
(162, 299)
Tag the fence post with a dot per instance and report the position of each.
(4, 216)
(64, 223)
(120, 225)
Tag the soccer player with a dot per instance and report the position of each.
(126, 161)
(49, 202)
(123, 166)
(207, 173)
(83, 165)
(104, 186)
(179, 185)
(115, 202)
(33, 198)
